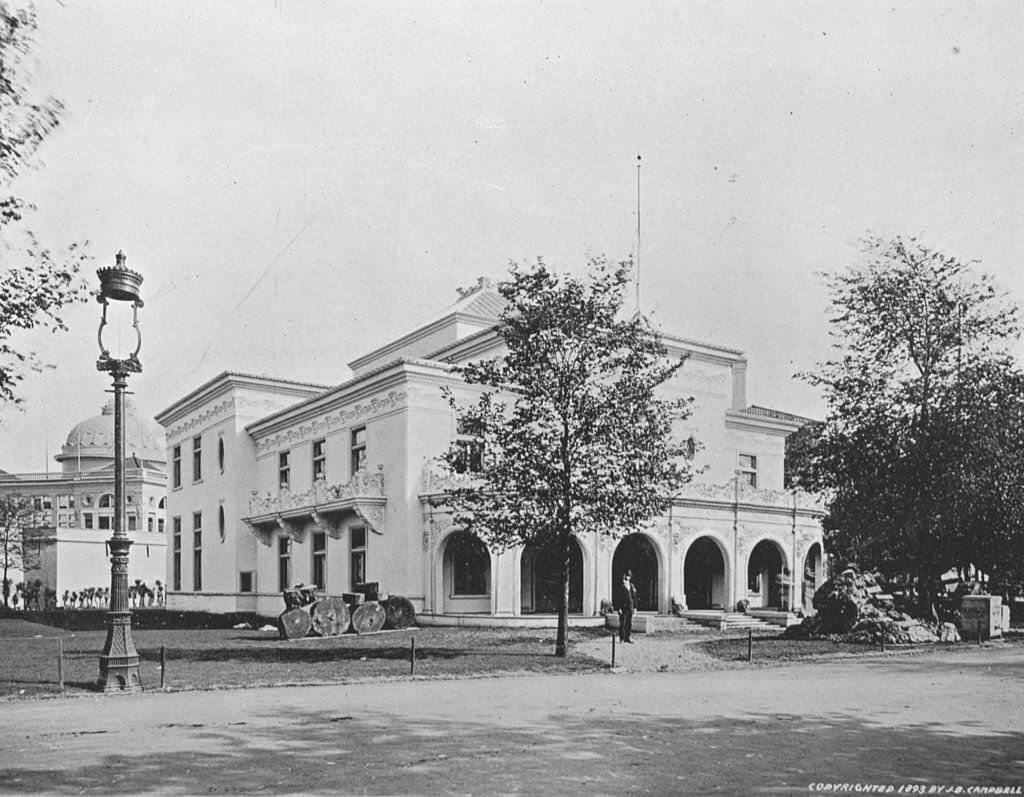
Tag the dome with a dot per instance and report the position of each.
(91, 442)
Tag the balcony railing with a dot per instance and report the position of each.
(363, 484)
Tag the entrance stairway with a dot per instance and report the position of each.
(769, 622)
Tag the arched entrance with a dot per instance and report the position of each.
(812, 576)
(704, 575)
(467, 575)
(766, 576)
(635, 552)
(540, 574)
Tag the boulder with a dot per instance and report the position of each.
(855, 607)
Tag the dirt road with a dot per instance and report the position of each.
(947, 719)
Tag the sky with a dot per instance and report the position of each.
(300, 182)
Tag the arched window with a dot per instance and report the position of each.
(220, 453)
(106, 501)
(470, 564)
(220, 523)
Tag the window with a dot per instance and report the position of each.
(320, 560)
(176, 466)
(65, 501)
(133, 523)
(87, 517)
(176, 555)
(747, 470)
(41, 502)
(470, 563)
(284, 563)
(105, 521)
(246, 581)
(197, 458)
(284, 470)
(159, 525)
(220, 453)
(469, 455)
(150, 522)
(62, 520)
(319, 460)
(197, 551)
(358, 449)
(106, 501)
(357, 542)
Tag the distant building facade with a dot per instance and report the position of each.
(73, 509)
(274, 483)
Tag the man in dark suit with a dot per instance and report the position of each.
(626, 605)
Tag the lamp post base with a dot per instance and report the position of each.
(119, 661)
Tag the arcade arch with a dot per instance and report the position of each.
(540, 579)
(766, 576)
(704, 575)
(813, 576)
(637, 553)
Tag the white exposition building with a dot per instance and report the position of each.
(274, 483)
(73, 509)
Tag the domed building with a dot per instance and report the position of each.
(68, 516)
(90, 444)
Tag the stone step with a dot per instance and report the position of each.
(732, 621)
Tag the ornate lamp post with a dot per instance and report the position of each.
(119, 661)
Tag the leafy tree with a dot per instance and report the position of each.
(575, 439)
(801, 461)
(36, 282)
(921, 348)
(16, 514)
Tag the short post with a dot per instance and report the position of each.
(750, 644)
(60, 663)
(613, 651)
(163, 666)
(412, 655)
(881, 639)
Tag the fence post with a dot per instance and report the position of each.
(163, 666)
(412, 655)
(613, 651)
(60, 663)
(750, 644)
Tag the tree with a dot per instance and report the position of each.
(16, 514)
(574, 438)
(921, 350)
(36, 282)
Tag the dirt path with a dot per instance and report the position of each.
(944, 719)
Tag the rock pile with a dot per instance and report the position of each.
(853, 607)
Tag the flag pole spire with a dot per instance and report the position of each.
(637, 280)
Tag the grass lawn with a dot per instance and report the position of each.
(215, 658)
(225, 658)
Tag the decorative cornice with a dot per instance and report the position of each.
(202, 418)
(331, 420)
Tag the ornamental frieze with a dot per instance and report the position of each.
(438, 478)
(733, 492)
(358, 413)
(201, 418)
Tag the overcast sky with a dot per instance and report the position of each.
(300, 182)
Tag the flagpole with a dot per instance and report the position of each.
(638, 233)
